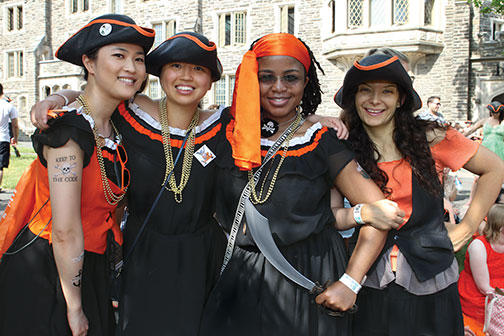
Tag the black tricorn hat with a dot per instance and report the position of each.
(103, 30)
(187, 47)
(377, 67)
(495, 106)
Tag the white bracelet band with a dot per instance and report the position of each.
(62, 96)
(348, 281)
(357, 214)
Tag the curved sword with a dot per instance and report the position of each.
(261, 232)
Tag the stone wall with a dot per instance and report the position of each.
(460, 34)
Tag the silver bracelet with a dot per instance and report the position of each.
(62, 96)
(357, 214)
(350, 282)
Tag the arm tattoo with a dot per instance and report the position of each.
(65, 168)
(76, 280)
(78, 258)
(362, 172)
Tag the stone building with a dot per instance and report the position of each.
(455, 51)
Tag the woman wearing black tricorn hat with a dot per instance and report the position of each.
(53, 236)
(174, 264)
(176, 260)
(412, 288)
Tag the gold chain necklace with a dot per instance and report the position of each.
(110, 196)
(188, 154)
(258, 199)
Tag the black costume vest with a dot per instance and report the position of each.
(423, 240)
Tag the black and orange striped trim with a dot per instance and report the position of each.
(306, 148)
(158, 137)
(375, 66)
(490, 106)
(202, 45)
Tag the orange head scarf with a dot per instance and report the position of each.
(246, 107)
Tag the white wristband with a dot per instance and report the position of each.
(357, 214)
(348, 281)
(62, 96)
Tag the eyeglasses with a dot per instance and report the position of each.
(287, 80)
(122, 157)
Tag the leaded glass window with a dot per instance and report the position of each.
(428, 11)
(231, 89)
(401, 11)
(355, 15)
(220, 91)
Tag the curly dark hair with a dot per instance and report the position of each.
(312, 95)
(409, 137)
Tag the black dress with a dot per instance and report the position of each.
(177, 258)
(31, 299)
(252, 297)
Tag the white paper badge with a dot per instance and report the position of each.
(105, 29)
(204, 155)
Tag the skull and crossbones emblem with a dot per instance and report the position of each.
(269, 127)
(66, 169)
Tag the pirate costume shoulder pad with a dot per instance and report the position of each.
(63, 126)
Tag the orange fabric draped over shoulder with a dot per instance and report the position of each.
(246, 107)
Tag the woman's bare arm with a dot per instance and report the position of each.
(474, 127)
(64, 168)
(479, 267)
(490, 168)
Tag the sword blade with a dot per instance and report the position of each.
(260, 230)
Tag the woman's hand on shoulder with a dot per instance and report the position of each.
(331, 122)
(38, 112)
(383, 214)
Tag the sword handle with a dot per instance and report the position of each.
(318, 289)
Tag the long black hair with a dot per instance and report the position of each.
(409, 136)
(312, 95)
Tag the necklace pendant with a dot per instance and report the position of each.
(269, 127)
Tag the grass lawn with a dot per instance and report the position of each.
(17, 166)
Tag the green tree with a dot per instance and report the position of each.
(489, 6)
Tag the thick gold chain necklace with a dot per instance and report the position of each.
(258, 199)
(110, 196)
(188, 154)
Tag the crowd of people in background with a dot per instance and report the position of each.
(233, 215)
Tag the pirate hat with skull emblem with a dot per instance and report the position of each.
(103, 30)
